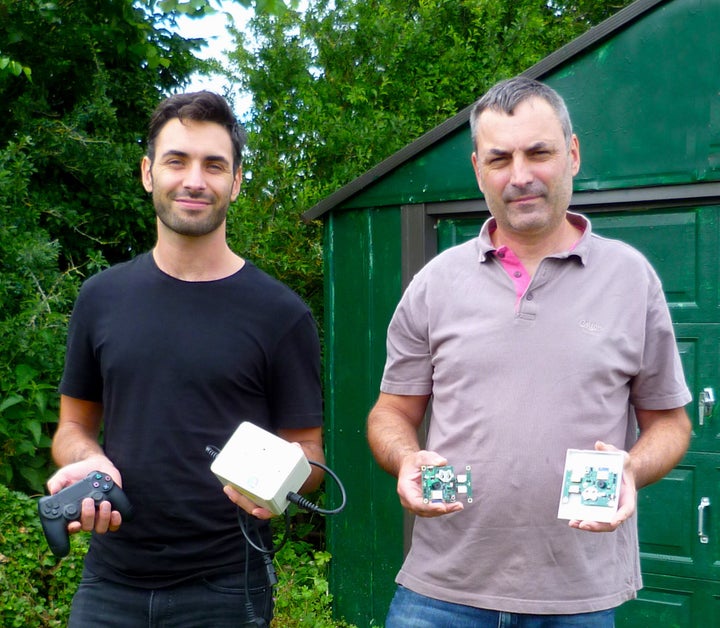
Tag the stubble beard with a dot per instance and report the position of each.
(190, 226)
(544, 213)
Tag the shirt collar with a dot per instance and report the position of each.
(579, 250)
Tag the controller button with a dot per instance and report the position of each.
(96, 484)
(71, 510)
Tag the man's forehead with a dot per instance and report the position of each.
(182, 135)
(532, 121)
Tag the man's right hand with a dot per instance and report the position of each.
(409, 485)
(103, 519)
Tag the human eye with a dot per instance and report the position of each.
(173, 161)
(542, 152)
(217, 167)
(496, 160)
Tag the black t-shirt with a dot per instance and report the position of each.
(178, 366)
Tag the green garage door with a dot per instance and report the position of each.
(679, 517)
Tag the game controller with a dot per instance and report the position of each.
(66, 505)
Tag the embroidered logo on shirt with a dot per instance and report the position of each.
(591, 326)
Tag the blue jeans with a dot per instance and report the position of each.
(412, 610)
(217, 601)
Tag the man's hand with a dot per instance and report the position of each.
(103, 519)
(247, 504)
(626, 505)
(409, 485)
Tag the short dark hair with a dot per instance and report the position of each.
(508, 94)
(201, 106)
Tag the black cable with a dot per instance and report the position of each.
(267, 554)
(261, 548)
(306, 504)
(252, 619)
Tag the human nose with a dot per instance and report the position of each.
(194, 178)
(521, 172)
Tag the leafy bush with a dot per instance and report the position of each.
(302, 597)
(36, 588)
(35, 297)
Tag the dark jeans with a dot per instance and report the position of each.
(217, 601)
(412, 610)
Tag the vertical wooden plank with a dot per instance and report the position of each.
(362, 280)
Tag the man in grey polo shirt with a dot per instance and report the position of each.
(534, 338)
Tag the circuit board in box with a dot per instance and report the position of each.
(596, 486)
(591, 485)
(442, 484)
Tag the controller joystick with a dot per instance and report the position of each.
(57, 510)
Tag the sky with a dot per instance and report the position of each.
(213, 28)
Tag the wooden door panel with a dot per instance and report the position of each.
(669, 239)
(666, 527)
(668, 520)
(699, 346)
(667, 602)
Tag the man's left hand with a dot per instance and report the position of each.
(626, 505)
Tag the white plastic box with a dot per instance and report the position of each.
(261, 466)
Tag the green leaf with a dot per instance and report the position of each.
(24, 375)
(10, 401)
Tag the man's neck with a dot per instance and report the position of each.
(206, 258)
(532, 250)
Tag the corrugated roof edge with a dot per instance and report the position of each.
(541, 68)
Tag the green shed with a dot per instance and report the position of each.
(643, 89)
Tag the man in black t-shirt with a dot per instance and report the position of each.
(169, 353)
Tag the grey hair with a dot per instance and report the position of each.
(506, 95)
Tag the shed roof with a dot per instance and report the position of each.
(593, 36)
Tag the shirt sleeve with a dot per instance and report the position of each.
(408, 368)
(82, 378)
(660, 383)
(296, 392)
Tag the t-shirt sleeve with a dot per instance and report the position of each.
(296, 392)
(408, 367)
(81, 377)
(660, 383)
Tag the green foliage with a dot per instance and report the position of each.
(198, 8)
(302, 597)
(35, 588)
(34, 300)
(8, 66)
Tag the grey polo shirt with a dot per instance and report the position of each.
(514, 385)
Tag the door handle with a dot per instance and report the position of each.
(706, 405)
(702, 506)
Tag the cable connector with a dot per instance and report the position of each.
(270, 568)
(302, 502)
(306, 504)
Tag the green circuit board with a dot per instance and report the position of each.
(593, 486)
(442, 484)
